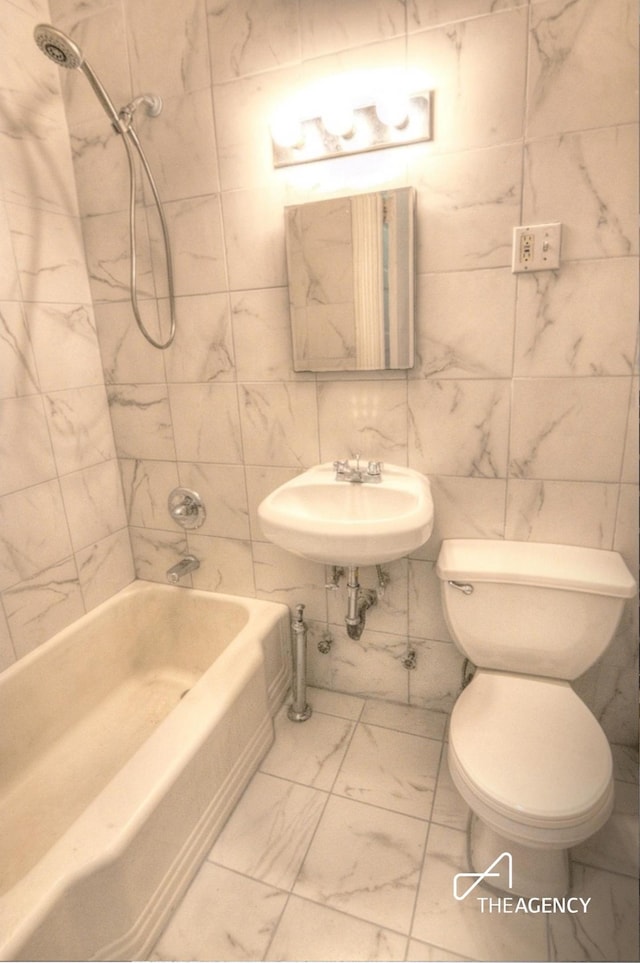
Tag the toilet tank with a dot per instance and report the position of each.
(530, 607)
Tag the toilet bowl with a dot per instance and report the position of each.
(525, 753)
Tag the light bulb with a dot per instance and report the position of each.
(338, 120)
(393, 111)
(286, 131)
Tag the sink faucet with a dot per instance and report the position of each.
(357, 475)
(188, 564)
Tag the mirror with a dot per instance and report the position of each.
(350, 263)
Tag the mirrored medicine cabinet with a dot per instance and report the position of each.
(350, 263)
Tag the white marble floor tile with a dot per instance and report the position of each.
(608, 930)
(412, 719)
(460, 926)
(449, 808)
(615, 846)
(212, 922)
(269, 831)
(308, 931)
(366, 862)
(423, 953)
(394, 770)
(335, 703)
(309, 752)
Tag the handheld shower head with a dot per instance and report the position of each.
(65, 53)
(58, 47)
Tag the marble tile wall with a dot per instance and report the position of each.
(521, 406)
(64, 543)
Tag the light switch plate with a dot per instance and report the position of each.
(536, 247)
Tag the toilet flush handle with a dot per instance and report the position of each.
(463, 587)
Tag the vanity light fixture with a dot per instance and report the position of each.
(342, 131)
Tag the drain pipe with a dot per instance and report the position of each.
(358, 601)
(299, 710)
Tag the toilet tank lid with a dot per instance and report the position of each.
(569, 567)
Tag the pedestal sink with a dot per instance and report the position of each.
(349, 523)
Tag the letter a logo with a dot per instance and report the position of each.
(477, 878)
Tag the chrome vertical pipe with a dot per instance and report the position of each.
(299, 710)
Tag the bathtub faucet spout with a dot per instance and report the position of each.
(188, 564)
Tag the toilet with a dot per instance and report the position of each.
(526, 754)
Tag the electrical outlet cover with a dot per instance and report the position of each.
(536, 247)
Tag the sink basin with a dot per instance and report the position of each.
(349, 523)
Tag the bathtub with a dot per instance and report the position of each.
(125, 742)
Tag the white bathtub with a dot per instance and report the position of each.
(125, 741)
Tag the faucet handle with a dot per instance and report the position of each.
(374, 468)
(341, 466)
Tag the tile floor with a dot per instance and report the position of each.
(345, 844)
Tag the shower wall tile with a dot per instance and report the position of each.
(199, 436)
(65, 345)
(254, 235)
(34, 532)
(7, 654)
(155, 551)
(436, 681)
(568, 179)
(99, 29)
(568, 428)
(279, 424)
(18, 372)
(56, 441)
(578, 321)
(571, 84)
(262, 336)
(40, 606)
(81, 433)
(106, 238)
(105, 568)
(100, 167)
(141, 420)
(426, 617)
(468, 203)
(465, 324)
(243, 110)
(569, 512)
(371, 666)
(146, 485)
(49, 255)
(471, 59)
(366, 417)
(9, 282)
(29, 174)
(246, 39)
(23, 429)
(459, 427)
(127, 357)
(203, 348)
(195, 227)
(223, 491)
(226, 565)
(281, 577)
(630, 461)
(333, 26)
(465, 508)
(174, 59)
(94, 503)
(180, 145)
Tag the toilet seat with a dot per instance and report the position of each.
(530, 758)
